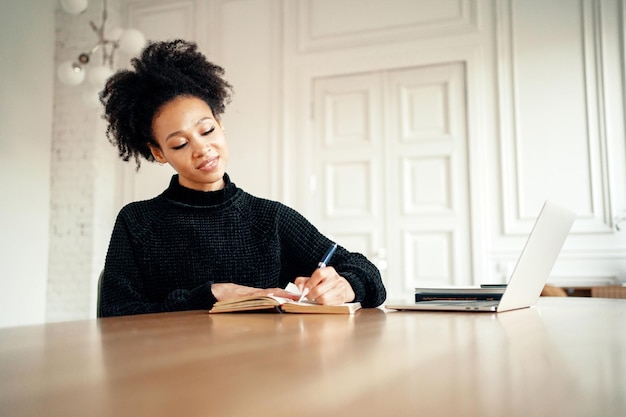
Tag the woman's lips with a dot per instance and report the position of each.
(208, 164)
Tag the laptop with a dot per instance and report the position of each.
(531, 271)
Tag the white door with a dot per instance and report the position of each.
(390, 172)
(348, 179)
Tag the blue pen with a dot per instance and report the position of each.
(322, 264)
(326, 258)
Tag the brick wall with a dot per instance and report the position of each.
(83, 178)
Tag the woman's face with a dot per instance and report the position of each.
(192, 141)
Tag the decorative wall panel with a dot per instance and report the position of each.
(356, 242)
(348, 189)
(426, 185)
(161, 21)
(424, 112)
(346, 23)
(348, 117)
(553, 138)
(428, 258)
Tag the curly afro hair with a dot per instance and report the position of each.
(163, 71)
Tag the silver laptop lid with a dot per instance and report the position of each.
(538, 257)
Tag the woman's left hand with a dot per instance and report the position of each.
(326, 286)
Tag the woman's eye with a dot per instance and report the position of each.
(181, 146)
(209, 131)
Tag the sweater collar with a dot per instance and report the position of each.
(180, 194)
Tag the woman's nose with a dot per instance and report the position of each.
(200, 148)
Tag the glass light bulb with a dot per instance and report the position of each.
(74, 6)
(132, 41)
(70, 73)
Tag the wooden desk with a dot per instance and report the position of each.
(565, 357)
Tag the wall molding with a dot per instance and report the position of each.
(516, 221)
(312, 37)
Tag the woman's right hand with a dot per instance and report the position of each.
(229, 291)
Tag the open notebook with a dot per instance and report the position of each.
(531, 271)
(282, 305)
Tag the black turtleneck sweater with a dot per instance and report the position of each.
(165, 253)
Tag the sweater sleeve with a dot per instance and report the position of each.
(304, 245)
(122, 288)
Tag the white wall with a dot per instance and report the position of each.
(83, 175)
(26, 97)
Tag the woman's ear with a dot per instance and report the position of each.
(157, 153)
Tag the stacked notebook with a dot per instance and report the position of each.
(484, 292)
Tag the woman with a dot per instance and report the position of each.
(204, 239)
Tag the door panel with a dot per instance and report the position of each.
(346, 187)
(429, 203)
(390, 149)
